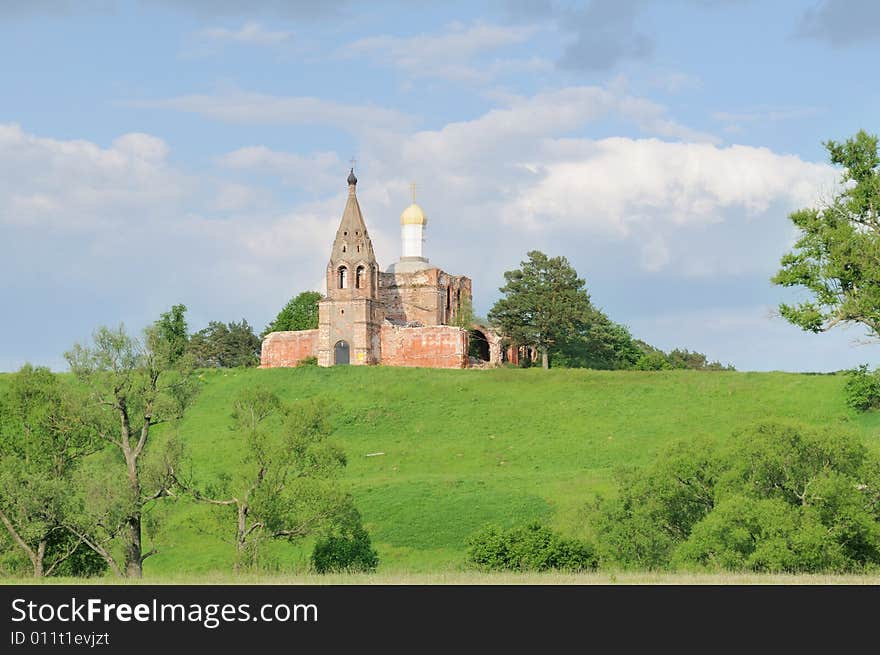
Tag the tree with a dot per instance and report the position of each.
(596, 342)
(837, 255)
(544, 303)
(173, 333)
(40, 445)
(300, 313)
(225, 345)
(776, 497)
(133, 386)
(283, 490)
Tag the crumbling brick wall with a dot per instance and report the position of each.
(437, 346)
(429, 296)
(288, 348)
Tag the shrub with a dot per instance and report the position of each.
(653, 361)
(308, 361)
(349, 552)
(529, 548)
(863, 388)
(775, 497)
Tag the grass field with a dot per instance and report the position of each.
(464, 448)
(473, 578)
(433, 455)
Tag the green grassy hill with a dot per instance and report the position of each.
(463, 448)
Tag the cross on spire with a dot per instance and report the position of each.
(353, 161)
(412, 188)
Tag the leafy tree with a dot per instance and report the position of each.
(657, 506)
(837, 256)
(133, 386)
(597, 342)
(172, 332)
(300, 313)
(225, 345)
(862, 388)
(41, 443)
(544, 303)
(284, 489)
(778, 498)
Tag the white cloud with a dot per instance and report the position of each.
(243, 107)
(77, 184)
(453, 54)
(524, 172)
(234, 197)
(250, 33)
(526, 122)
(619, 185)
(120, 233)
(318, 172)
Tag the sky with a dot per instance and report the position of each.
(157, 152)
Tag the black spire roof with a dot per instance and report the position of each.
(351, 177)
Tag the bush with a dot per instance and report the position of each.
(863, 388)
(308, 361)
(653, 361)
(529, 548)
(775, 497)
(350, 552)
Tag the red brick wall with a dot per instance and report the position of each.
(288, 348)
(438, 346)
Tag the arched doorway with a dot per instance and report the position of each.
(478, 345)
(341, 353)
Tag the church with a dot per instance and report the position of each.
(403, 316)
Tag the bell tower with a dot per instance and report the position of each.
(350, 315)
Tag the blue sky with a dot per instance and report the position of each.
(195, 151)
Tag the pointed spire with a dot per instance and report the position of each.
(352, 241)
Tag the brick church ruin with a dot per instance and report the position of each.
(400, 317)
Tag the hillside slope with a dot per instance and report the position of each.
(463, 448)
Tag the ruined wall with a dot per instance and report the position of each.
(439, 346)
(429, 296)
(288, 348)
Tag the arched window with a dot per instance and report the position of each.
(343, 277)
(359, 279)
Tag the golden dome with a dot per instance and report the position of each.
(413, 215)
